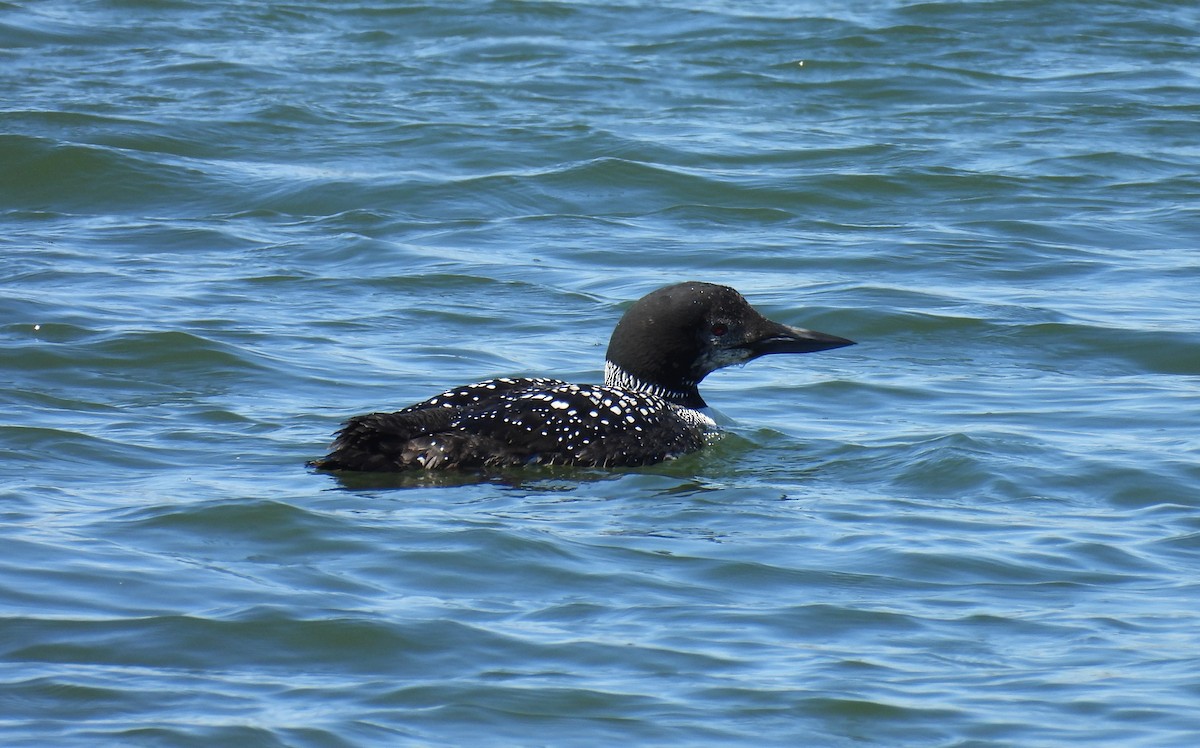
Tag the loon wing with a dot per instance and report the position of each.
(423, 435)
(587, 425)
(509, 422)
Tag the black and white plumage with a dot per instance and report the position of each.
(647, 410)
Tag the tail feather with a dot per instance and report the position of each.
(414, 440)
(382, 442)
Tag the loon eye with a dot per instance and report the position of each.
(719, 329)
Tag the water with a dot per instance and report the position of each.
(228, 226)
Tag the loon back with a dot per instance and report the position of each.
(646, 411)
(509, 422)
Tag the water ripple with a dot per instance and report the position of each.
(229, 226)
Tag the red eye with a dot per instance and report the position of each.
(719, 329)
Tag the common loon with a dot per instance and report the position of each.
(647, 410)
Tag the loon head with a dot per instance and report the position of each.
(672, 338)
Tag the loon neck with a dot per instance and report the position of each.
(686, 395)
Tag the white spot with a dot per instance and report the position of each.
(560, 405)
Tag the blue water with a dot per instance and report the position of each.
(228, 226)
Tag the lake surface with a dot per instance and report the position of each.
(227, 226)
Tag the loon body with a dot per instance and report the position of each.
(648, 409)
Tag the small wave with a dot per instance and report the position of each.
(43, 173)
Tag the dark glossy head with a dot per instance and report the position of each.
(676, 336)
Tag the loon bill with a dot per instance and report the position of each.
(647, 410)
